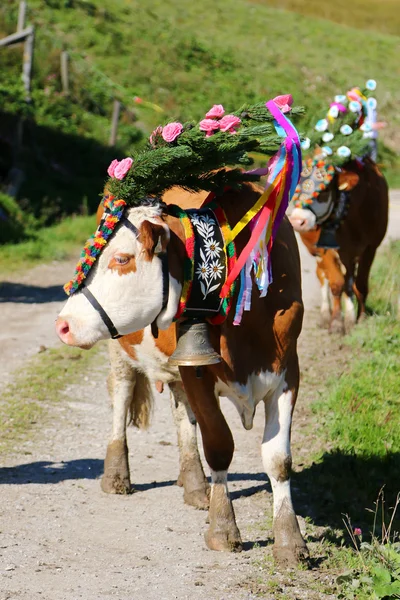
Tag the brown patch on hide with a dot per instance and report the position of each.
(129, 267)
(151, 235)
(128, 343)
(347, 180)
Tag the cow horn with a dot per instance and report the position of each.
(194, 348)
(343, 186)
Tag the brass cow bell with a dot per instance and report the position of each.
(194, 348)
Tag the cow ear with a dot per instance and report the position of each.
(347, 180)
(154, 237)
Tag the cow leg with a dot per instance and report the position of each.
(361, 283)
(289, 546)
(223, 533)
(121, 383)
(196, 489)
(325, 320)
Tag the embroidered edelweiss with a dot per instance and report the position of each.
(216, 270)
(212, 248)
(203, 270)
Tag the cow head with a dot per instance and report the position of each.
(127, 281)
(316, 193)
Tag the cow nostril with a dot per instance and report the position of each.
(64, 329)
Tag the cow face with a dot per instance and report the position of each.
(127, 282)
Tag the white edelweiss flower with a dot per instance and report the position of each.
(212, 248)
(326, 150)
(322, 125)
(354, 106)
(346, 130)
(203, 270)
(305, 144)
(216, 270)
(341, 98)
(327, 137)
(343, 152)
(333, 112)
(371, 85)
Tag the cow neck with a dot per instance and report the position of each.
(189, 305)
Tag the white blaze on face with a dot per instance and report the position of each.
(302, 219)
(130, 293)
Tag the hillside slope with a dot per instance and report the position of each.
(184, 57)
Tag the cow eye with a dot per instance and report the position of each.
(121, 260)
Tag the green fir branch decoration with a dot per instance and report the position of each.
(197, 160)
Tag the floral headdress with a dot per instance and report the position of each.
(343, 134)
(192, 155)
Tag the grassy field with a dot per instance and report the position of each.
(183, 57)
(57, 242)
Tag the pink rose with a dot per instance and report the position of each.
(216, 112)
(122, 168)
(137, 99)
(111, 168)
(155, 134)
(171, 131)
(209, 125)
(284, 102)
(229, 123)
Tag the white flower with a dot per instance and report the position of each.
(212, 248)
(343, 152)
(354, 106)
(333, 112)
(341, 98)
(371, 85)
(366, 127)
(326, 150)
(327, 137)
(203, 270)
(346, 130)
(305, 144)
(372, 103)
(322, 125)
(216, 270)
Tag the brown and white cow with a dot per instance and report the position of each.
(259, 357)
(345, 271)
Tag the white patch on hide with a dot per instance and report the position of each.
(152, 361)
(246, 397)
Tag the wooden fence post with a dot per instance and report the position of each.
(64, 72)
(114, 122)
(28, 62)
(21, 15)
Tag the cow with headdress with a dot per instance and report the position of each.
(340, 207)
(217, 269)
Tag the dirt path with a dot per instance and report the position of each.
(61, 537)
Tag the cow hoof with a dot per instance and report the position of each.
(116, 478)
(198, 498)
(228, 540)
(114, 484)
(325, 321)
(337, 327)
(287, 556)
(195, 485)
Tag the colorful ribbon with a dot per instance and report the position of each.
(264, 218)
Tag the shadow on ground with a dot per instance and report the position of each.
(346, 484)
(30, 294)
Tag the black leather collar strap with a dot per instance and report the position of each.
(125, 221)
(106, 319)
(163, 256)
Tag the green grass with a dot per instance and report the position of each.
(183, 57)
(57, 242)
(25, 404)
(382, 16)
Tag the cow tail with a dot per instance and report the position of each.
(142, 402)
